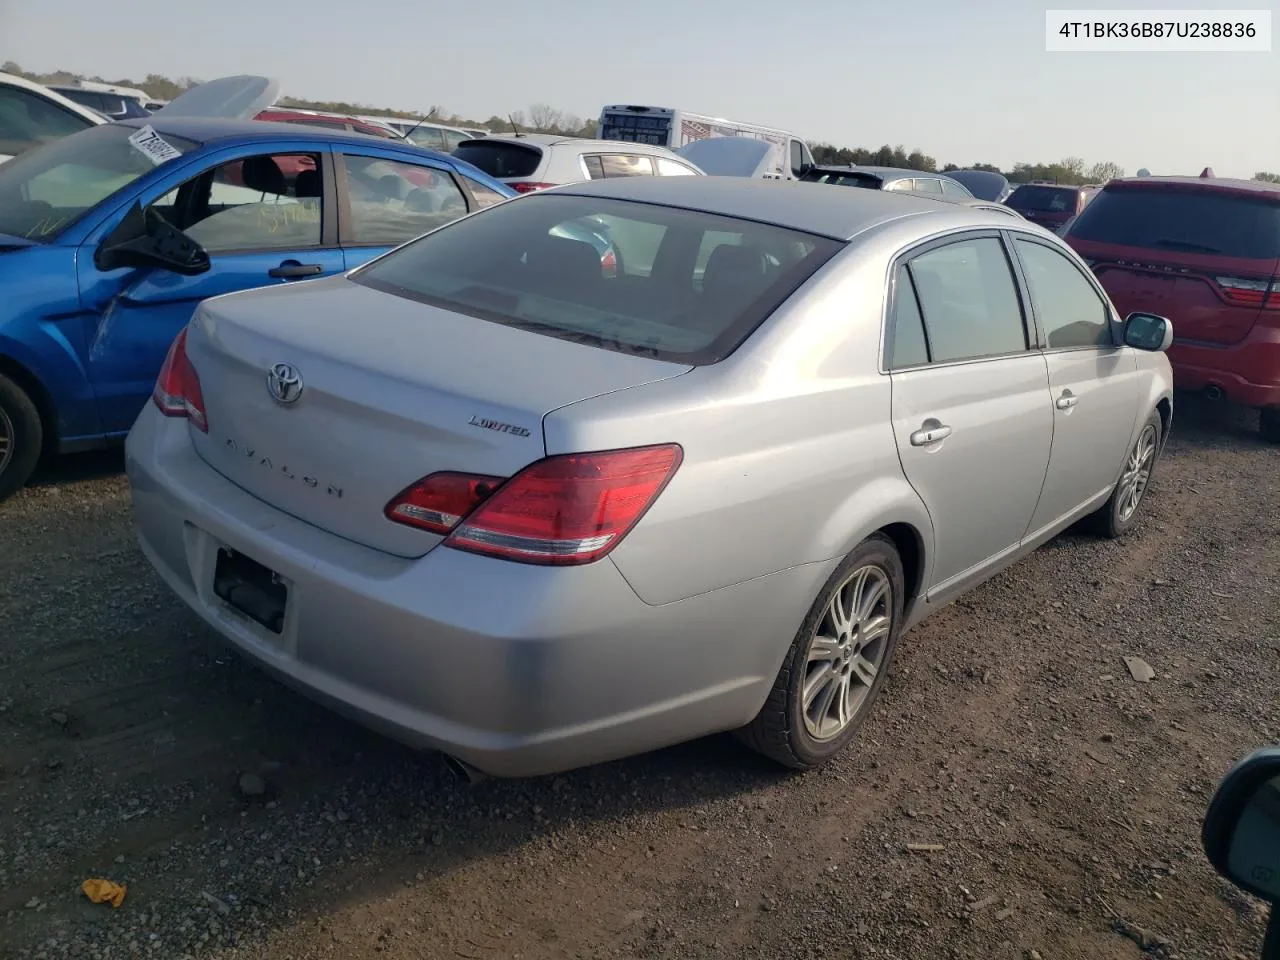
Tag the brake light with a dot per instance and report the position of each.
(562, 511)
(609, 263)
(526, 187)
(1257, 293)
(177, 391)
(436, 503)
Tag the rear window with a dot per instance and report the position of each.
(843, 179)
(1044, 199)
(500, 159)
(661, 282)
(1184, 220)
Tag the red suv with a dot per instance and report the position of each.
(1203, 252)
(1048, 204)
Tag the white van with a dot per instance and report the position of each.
(667, 127)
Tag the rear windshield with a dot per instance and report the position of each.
(1181, 219)
(1044, 199)
(661, 282)
(500, 159)
(843, 179)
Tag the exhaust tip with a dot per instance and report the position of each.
(463, 770)
(1214, 392)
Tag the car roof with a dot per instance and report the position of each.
(809, 207)
(1207, 183)
(211, 130)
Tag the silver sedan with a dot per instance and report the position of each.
(494, 499)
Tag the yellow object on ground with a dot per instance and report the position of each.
(104, 891)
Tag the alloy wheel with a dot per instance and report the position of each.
(847, 652)
(1137, 474)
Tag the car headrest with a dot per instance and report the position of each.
(730, 267)
(262, 174)
(561, 260)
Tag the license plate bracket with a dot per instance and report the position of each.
(253, 590)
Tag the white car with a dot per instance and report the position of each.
(32, 114)
(532, 161)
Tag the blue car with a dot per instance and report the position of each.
(111, 236)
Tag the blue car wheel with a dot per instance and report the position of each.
(20, 437)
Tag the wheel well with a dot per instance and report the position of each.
(1165, 408)
(39, 396)
(911, 551)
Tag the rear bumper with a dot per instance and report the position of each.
(517, 669)
(1247, 372)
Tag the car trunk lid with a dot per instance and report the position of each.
(388, 390)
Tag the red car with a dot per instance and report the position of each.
(1049, 204)
(1205, 253)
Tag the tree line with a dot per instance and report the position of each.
(542, 118)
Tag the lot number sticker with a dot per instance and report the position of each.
(155, 147)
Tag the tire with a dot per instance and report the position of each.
(21, 437)
(1269, 423)
(1117, 516)
(784, 730)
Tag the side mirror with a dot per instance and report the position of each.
(1241, 832)
(146, 239)
(1146, 331)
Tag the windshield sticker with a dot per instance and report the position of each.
(153, 146)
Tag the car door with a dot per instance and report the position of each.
(970, 406)
(1093, 381)
(262, 218)
(386, 199)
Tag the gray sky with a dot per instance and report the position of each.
(963, 85)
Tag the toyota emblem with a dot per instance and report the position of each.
(284, 383)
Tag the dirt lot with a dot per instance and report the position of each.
(1064, 797)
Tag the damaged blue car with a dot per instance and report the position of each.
(111, 236)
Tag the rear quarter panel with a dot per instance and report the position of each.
(789, 452)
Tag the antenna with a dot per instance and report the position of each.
(515, 129)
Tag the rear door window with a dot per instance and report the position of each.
(392, 202)
(969, 302)
(1181, 220)
(499, 159)
(928, 185)
(626, 165)
(484, 196)
(673, 168)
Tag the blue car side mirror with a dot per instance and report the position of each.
(146, 239)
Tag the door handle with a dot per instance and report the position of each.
(292, 268)
(1066, 401)
(931, 431)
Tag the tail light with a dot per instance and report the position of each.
(609, 263)
(177, 391)
(436, 503)
(1255, 293)
(526, 187)
(561, 511)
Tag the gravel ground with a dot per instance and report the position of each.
(1060, 798)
